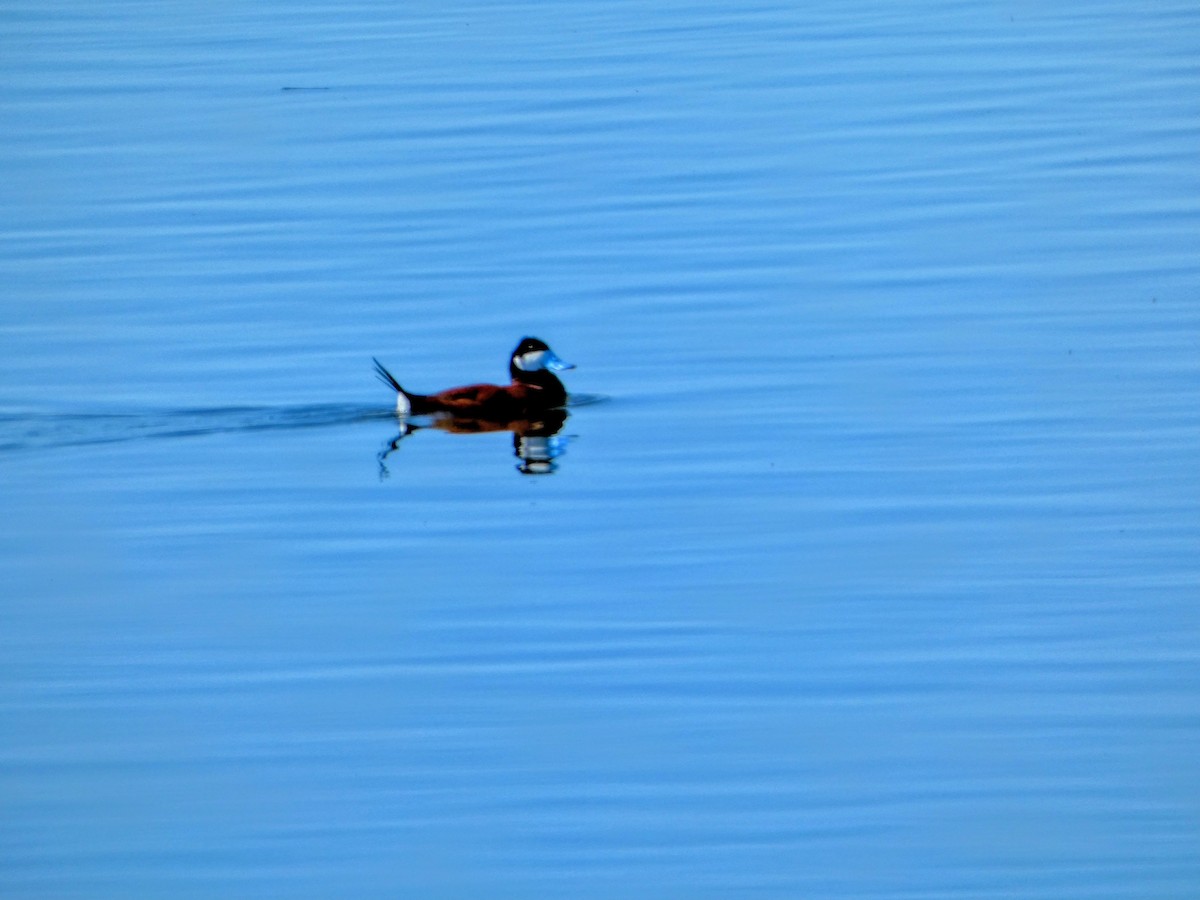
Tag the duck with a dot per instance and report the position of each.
(534, 389)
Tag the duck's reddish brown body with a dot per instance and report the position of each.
(534, 388)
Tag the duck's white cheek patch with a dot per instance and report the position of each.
(531, 361)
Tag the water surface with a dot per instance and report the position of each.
(874, 573)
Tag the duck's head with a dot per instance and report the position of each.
(533, 355)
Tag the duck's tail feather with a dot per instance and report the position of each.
(403, 398)
(386, 377)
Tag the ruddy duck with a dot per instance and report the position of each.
(534, 388)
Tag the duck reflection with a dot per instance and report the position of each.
(538, 442)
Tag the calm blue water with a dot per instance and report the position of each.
(870, 570)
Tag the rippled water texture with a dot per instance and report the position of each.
(864, 563)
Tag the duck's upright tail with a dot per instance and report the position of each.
(404, 400)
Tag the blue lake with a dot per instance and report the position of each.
(869, 561)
